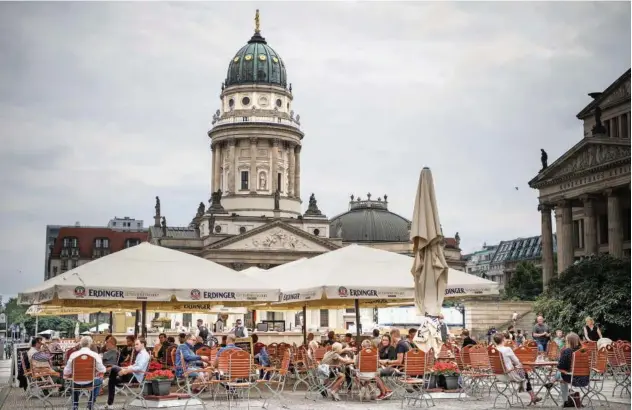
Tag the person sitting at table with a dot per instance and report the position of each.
(334, 358)
(349, 341)
(331, 338)
(513, 367)
(384, 392)
(85, 343)
(261, 357)
(160, 348)
(412, 332)
(565, 365)
(467, 340)
(401, 347)
(193, 361)
(120, 375)
(224, 342)
(230, 345)
(111, 354)
(127, 350)
(55, 346)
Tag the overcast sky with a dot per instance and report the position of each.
(105, 105)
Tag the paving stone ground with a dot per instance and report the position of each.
(14, 399)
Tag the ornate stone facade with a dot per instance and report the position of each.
(589, 186)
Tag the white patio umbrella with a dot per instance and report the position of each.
(429, 269)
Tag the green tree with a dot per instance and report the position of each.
(15, 313)
(598, 287)
(525, 283)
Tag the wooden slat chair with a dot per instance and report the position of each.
(445, 353)
(366, 371)
(510, 343)
(530, 343)
(189, 382)
(618, 369)
(39, 385)
(276, 382)
(622, 352)
(416, 376)
(204, 351)
(598, 376)
(526, 354)
(319, 353)
(84, 370)
(502, 382)
(553, 352)
(300, 368)
(592, 349)
(239, 377)
(580, 367)
(316, 383)
(476, 374)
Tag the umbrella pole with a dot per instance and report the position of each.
(144, 322)
(358, 325)
(36, 324)
(136, 319)
(111, 322)
(305, 325)
(98, 317)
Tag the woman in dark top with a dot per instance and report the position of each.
(566, 364)
(591, 331)
(467, 340)
(387, 352)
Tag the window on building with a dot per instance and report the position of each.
(75, 263)
(279, 184)
(105, 242)
(97, 243)
(275, 316)
(324, 318)
(114, 223)
(614, 126)
(350, 310)
(578, 234)
(66, 243)
(603, 229)
(131, 242)
(625, 124)
(64, 265)
(244, 180)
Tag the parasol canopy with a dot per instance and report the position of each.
(152, 274)
(429, 269)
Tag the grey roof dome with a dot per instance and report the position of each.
(369, 221)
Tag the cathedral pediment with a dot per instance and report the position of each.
(276, 236)
(588, 156)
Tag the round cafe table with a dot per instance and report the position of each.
(543, 372)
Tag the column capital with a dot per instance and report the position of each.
(609, 192)
(544, 207)
(588, 199)
(564, 203)
(232, 142)
(275, 142)
(253, 140)
(297, 148)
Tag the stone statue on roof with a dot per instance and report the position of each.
(200, 210)
(312, 208)
(277, 200)
(598, 128)
(544, 158)
(157, 205)
(163, 225)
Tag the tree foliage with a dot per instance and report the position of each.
(16, 313)
(598, 287)
(525, 283)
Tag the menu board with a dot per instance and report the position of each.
(16, 358)
(244, 343)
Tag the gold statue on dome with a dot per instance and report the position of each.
(257, 29)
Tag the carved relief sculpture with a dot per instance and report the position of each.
(262, 180)
(278, 239)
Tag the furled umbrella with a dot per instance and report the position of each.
(430, 270)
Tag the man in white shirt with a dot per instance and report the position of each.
(84, 344)
(119, 375)
(513, 367)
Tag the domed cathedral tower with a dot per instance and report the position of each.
(256, 137)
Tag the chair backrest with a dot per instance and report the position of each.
(285, 363)
(495, 360)
(223, 363)
(367, 360)
(601, 364)
(581, 363)
(465, 355)
(272, 348)
(430, 358)
(415, 363)
(328, 348)
(204, 351)
(479, 359)
(319, 353)
(240, 363)
(445, 352)
(510, 343)
(526, 354)
(26, 365)
(552, 351)
(530, 343)
(624, 354)
(84, 369)
(613, 357)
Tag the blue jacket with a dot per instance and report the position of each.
(184, 351)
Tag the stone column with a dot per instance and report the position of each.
(217, 166)
(291, 171)
(297, 172)
(615, 230)
(590, 226)
(565, 248)
(232, 170)
(274, 166)
(558, 231)
(254, 178)
(547, 243)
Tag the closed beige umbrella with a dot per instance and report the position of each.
(430, 270)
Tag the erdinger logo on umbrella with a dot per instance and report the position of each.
(195, 294)
(80, 291)
(343, 292)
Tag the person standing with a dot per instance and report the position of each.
(591, 330)
(541, 334)
(239, 330)
(202, 331)
(443, 327)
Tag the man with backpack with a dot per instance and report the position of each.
(203, 331)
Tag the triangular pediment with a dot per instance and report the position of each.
(614, 94)
(276, 236)
(589, 155)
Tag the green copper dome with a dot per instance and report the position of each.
(256, 62)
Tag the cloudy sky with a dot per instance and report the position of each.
(105, 105)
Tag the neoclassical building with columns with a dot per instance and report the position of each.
(588, 187)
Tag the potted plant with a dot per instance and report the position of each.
(160, 382)
(449, 372)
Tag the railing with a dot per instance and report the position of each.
(256, 119)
